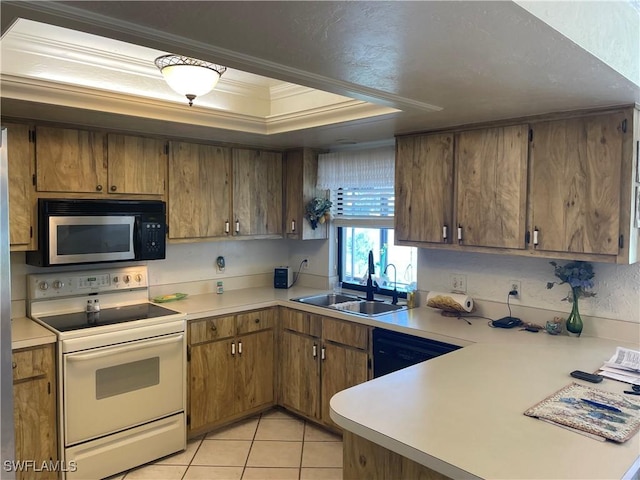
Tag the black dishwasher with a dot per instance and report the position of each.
(393, 350)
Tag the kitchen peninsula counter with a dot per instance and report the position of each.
(462, 414)
(27, 333)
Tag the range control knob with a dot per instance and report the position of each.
(127, 278)
(43, 285)
(138, 277)
(58, 284)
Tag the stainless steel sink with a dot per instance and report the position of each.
(373, 308)
(351, 304)
(327, 299)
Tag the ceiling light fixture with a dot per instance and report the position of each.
(188, 76)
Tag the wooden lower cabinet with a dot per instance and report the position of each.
(34, 409)
(314, 368)
(300, 371)
(342, 367)
(365, 459)
(230, 375)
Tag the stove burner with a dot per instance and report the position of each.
(107, 316)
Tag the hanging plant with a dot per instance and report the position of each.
(317, 211)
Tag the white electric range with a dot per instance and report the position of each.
(121, 370)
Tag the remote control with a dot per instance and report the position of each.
(589, 377)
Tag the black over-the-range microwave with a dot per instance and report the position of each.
(73, 231)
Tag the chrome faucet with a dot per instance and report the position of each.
(395, 282)
(371, 286)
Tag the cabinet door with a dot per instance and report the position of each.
(575, 184)
(254, 374)
(34, 408)
(301, 175)
(257, 193)
(199, 193)
(424, 188)
(211, 383)
(21, 203)
(300, 377)
(69, 160)
(491, 184)
(137, 165)
(341, 368)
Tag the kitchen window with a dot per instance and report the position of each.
(363, 198)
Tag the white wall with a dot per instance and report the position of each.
(617, 287)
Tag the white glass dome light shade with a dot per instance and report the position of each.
(188, 76)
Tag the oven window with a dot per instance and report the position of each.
(83, 239)
(127, 377)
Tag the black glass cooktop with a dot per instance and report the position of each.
(107, 316)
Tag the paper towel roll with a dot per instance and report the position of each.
(450, 302)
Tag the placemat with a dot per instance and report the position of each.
(609, 415)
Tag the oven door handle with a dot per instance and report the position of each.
(122, 349)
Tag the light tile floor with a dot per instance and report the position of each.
(274, 445)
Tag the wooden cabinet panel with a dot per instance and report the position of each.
(255, 321)
(34, 409)
(302, 322)
(341, 368)
(491, 184)
(255, 370)
(365, 459)
(346, 333)
(211, 383)
(21, 168)
(69, 160)
(424, 188)
(210, 329)
(257, 193)
(137, 165)
(301, 175)
(575, 184)
(300, 373)
(199, 190)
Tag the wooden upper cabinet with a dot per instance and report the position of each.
(424, 188)
(21, 166)
(199, 191)
(69, 160)
(491, 184)
(576, 184)
(301, 176)
(137, 165)
(257, 193)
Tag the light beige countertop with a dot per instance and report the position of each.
(462, 414)
(27, 333)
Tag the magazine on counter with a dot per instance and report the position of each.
(623, 366)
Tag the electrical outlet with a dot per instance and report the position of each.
(517, 286)
(305, 263)
(458, 282)
(220, 264)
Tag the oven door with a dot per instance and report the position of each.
(86, 239)
(112, 388)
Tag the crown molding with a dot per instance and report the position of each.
(73, 96)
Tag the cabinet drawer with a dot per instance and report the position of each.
(211, 329)
(346, 333)
(305, 323)
(256, 320)
(29, 363)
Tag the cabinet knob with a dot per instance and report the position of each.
(214, 328)
(14, 365)
(113, 188)
(257, 320)
(99, 188)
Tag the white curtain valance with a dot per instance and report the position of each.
(356, 169)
